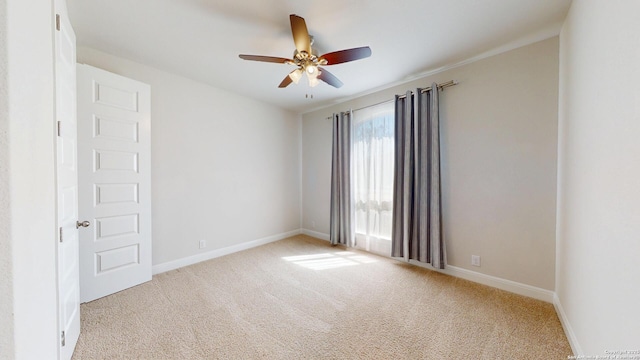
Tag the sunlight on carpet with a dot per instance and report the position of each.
(329, 261)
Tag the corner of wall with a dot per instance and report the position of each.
(315, 234)
(300, 173)
(568, 330)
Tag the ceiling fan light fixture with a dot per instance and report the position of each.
(311, 69)
(295, 75)
(312, 74)
(313, 81)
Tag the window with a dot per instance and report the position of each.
(372, 161)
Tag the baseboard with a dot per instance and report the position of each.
(315, 234)
(190, 260)
(496, 282)
(566, 325)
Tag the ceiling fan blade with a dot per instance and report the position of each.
(342, 56)
(285, 82)
(300, 33)
(329, 78)
(271, 59)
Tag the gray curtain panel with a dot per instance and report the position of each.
(417, 211)
(340, 229)
(403, 176)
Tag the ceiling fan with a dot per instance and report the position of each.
(307, 61)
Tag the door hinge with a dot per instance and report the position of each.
(60, 237)
(59, 128)
(62, 339)
(58, 22)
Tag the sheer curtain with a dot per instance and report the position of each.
(373, 159)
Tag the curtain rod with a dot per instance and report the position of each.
(441, 86)
(423, 90)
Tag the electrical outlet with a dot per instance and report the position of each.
(475, 260)
(313, 224)
(202, 244)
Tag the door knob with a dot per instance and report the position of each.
(82, 224)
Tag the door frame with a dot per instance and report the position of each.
(66, 183)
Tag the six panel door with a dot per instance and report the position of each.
(114, 182)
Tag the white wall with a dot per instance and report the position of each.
(499, 128)
(29, 318)
(598, 234)
(6, 270)
(224, 168)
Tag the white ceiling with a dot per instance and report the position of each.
(201, 39)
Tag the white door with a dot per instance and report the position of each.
(114, 182)
(66, 184)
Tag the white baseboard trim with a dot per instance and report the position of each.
(566, 325)
(190, 260)
(496, 282)
(315, 234)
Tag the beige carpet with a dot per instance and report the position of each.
(300, 298)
